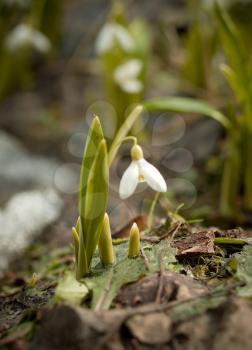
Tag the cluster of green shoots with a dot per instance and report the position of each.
(93, 228)
(105, 246)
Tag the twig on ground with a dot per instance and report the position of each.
(153, 239)
(102, 299)
(154, 307)
(146, 261)
(171, 233)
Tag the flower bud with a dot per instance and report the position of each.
(134, 242)
(136, 152)
(105, 245)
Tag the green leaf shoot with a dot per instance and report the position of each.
(96, 200)
(134, 242)
(105, 245)
(94, 138)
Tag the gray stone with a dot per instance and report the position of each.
(21, 170)
(24, 218)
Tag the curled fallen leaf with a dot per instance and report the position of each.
(201, 242)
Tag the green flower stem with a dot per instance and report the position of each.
(130, 138)
(122, 132)
(151, 211)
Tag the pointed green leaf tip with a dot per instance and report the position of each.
(106, 250)
(95, 136)
(134, 241)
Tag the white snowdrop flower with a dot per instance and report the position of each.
(126, 76)
(24, 34)
(140, 170)
(112, 34)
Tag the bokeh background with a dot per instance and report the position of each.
(53, 79)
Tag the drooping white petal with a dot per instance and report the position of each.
(152, 176)
(41, 42)
(132, 86)
(112, 34)
(129, 180)
(134, 67)
(105, 39)
(18, 36)
(126, 74)
(23, 34)
(124, 38)
(128, 69)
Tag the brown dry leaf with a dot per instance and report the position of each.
(232, 233)
(144, 291)
(152, 329)
(197, 243)
(125, 231)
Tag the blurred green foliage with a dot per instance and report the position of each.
(221, 33)
(29, 32)
(203, 42)
(238, 72)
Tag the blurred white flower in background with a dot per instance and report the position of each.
(24, 34)
(225, 3)
(113, 34)
(140, 170)
(126, 76)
